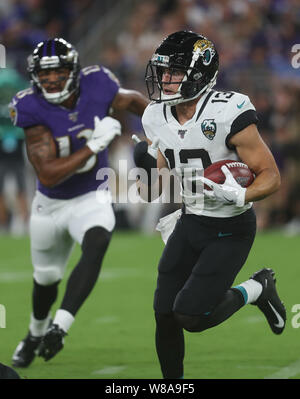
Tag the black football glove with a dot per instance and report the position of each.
(144, 155)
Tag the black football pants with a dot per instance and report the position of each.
(195, 274)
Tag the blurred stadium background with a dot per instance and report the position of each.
(254, 39)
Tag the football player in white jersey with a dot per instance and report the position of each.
(195, 126)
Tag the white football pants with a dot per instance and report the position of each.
(55, 226)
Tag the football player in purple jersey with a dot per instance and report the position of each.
(64, 115)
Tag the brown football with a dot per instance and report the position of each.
(239, 170)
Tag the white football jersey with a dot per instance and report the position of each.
(201, 141)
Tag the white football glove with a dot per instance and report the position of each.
(230, 192)
(152, 149)
(104, 132)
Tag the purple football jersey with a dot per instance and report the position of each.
(71, 128)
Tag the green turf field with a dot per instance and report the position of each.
(113, 334)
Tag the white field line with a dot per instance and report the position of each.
(107, 319)
(9, 277)
(254, 319)
(242, 366)
(117, 273)
(286, 372)
(109, 370)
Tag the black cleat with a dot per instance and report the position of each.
(269, 302)
(52, 342)
(26, 351)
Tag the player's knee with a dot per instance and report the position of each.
(47, 276)
(95, 243)
(190, 323)
(96, 237)
(164, 318)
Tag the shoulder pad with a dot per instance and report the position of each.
(154, 114)
(96, 79)
(98, 72)
(239, 114)
(152, 118)
(237, 105)
(24, 93)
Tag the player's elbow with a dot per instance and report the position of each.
(273, 184)
(137, 103)
(276, 181)
(48, 180)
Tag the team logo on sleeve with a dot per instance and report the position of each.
(209, 128)
(13, 113)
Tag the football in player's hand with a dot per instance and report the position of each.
(239, 170)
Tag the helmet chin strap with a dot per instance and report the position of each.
(59, 97)
(177, 100)
(174, 99)
(56, 98)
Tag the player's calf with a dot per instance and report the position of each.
(232, 301)
(196, 323)
(86, 272)
(169, 340)
(79, 286)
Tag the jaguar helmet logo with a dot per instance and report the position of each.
(206, 50)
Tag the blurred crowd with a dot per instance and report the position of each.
(254, 38)
(23, 24)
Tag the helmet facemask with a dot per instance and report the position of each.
(156, 84)
(40, 60)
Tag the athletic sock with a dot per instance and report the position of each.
(43, 297)
(250, 290)
(63, 319)
(38, 327)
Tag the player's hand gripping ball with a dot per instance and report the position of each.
(226, 181)
(239, 170)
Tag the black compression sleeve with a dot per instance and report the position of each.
(142, 158)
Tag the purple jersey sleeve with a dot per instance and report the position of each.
(100, 82)
(24, 109)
